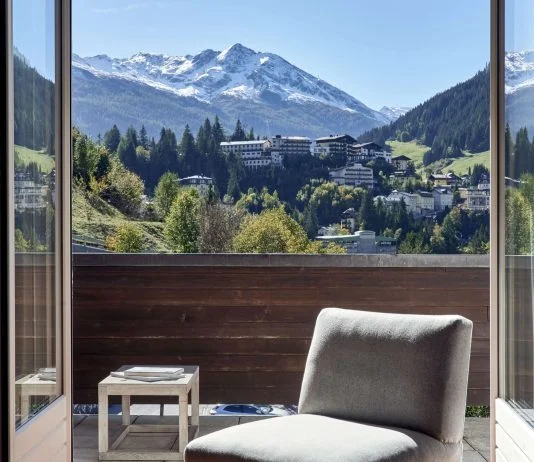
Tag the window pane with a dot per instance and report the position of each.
(34, 202)
(517, 339)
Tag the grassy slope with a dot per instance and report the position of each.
(410, 149)
(416, 152)
(96, 219)
(27, 155)
(461, 165)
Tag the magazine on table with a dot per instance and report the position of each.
(150, 373)
(47, 373)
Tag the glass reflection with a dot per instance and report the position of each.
(34, 203)
(519, 208)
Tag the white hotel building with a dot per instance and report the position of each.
(254, 153)
(353, 175)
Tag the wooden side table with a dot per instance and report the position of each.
(31, 385)
(126, 388)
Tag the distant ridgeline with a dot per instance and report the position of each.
(34, 107)
(450, 122)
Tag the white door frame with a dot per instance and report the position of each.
(47, 436)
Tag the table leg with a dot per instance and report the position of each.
(195, 402)
(182, 420)
(103, 434)
(24, 407)
(126, 410)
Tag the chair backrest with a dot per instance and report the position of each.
(398, 370)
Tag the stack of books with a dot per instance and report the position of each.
(150, 373)
(47, 373)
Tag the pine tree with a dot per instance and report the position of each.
(509, 153)
(188, 154)
(143, 138)
(112, 138)
(251, 136)
(367, 213)
(310, 223)
(217, 133)
(239, 133)
(127, 150)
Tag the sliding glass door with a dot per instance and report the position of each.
(38, 216)
(513, 159)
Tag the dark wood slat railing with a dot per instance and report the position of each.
(247, 321)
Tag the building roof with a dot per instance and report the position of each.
(354, 164)
(240, 143)
(293, 138)
(341, 138)
(442, 176)
(196, 177)
(356, 237)
(363, 145)
(442, 190)
(403, 157)
(425, 194)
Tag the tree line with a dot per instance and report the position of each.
(449, 122)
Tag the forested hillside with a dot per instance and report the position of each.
(34, 106)
(450, 122)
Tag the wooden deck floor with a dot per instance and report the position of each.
(476, 435)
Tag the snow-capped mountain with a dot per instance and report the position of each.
(519, 70)
(263, 89)
(393, 113)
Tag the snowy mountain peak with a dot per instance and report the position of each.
(236, 72)
(235, 53)
(519, 70)
(393, 113)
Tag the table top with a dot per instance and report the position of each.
(189, 376)
(31, 384)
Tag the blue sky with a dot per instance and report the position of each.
(383, 52)
(33, 33)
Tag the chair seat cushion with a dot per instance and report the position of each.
(313, 438)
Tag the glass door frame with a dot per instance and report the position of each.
(4, 265)
(497, 203)
(34, 433)
(511, 437)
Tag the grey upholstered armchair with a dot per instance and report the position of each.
(377, 387)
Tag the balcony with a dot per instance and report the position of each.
(247, 321)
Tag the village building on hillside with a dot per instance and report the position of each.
(330, 146)
(410, 200)
(199, 182)
(445, 179)
(362, 242)
(29, 194)
(291, 145)
(443, 198)
(401, 162)
(255, 154)
(353, 175)
(475, 199)
(367, 152)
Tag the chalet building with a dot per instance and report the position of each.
(200, 183)
(291, 145)
(401, 162)
(475, 199)
(425, 201)
(363, 242)
(442, 198)
(411, 200)
(333, 145)
(348, 219)
(367, 152)
(255, 154)
(29, 194)
(353, 175)
(445, 179)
